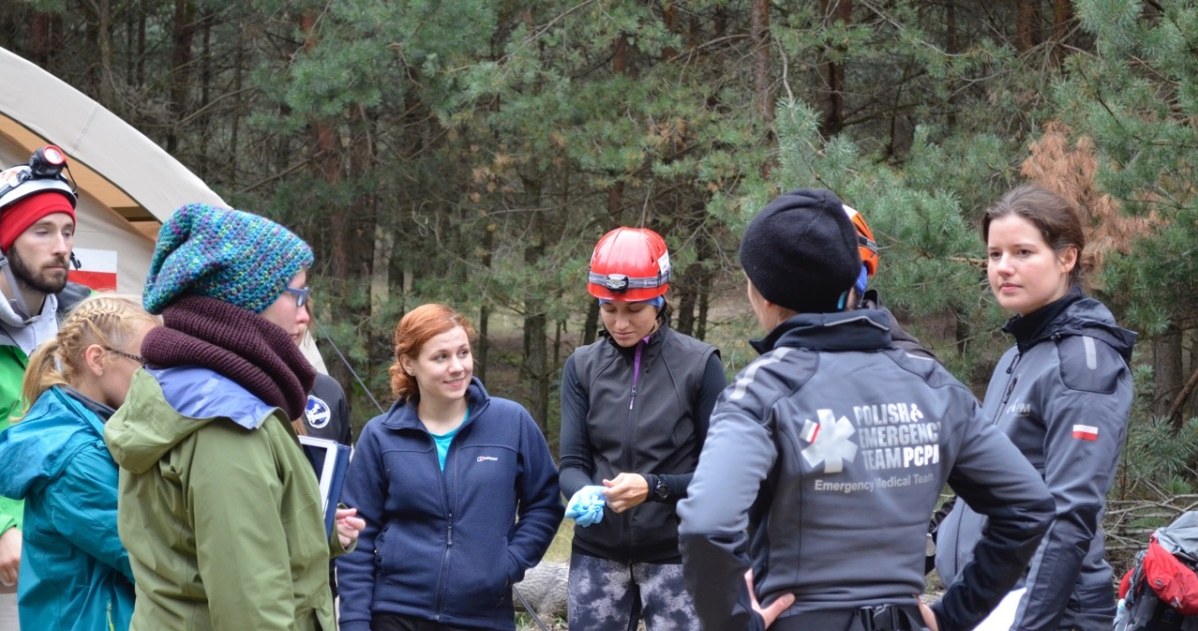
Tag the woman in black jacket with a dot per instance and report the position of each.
(635, 407)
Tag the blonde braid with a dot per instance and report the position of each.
(105, 319)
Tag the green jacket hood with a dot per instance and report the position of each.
(165, 406)
(144, 429)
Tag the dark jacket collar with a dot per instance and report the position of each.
(402, 414)
(1072, 314)
(99, 409)
(654, 340)
(856, 330)
(1034, 326)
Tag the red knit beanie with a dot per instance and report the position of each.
(29, 210)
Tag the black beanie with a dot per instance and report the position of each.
(800, 252)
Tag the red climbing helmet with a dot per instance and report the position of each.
(629, 265)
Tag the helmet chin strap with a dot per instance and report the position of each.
(17, 301)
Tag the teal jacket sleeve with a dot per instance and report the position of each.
(82, 504)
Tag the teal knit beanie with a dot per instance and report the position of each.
(233, 256)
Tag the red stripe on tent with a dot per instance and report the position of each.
(99, 281)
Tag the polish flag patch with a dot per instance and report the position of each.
(1085, 432)
(810, 431)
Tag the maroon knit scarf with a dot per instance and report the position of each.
(238, 344)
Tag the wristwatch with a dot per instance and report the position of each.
(659, 488)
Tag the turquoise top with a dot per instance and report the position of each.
(443, 440)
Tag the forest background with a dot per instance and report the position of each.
(472, 152)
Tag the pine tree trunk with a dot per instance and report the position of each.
(533, 369)
(590, 329)
(1026, 15)
(685, 309)
(1190, 407)
(840, 11)
(952, 47)
(105, 72)
(1167, 369)
(1062, 21)
(140, 64)
(205, 91)
(962, 331)
(669, 19)
(484, 312)
(235, 124)
(40, 44)
(706, 280)
(762, 81)
(322, 146)
(182, 32)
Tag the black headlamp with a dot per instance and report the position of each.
(42, 173)
(47, 161)
(616, 282)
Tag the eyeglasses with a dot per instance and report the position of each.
(300, 293)
(137, 358)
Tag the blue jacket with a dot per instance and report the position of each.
(447, 546)
(1062, 394)
(75, 573)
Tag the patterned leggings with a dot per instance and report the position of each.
(613, 596)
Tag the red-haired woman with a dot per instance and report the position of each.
(458, 490)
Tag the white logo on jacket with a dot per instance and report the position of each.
(832, 444)
(889, 436)
(317, 412)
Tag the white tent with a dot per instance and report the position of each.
(128, 185)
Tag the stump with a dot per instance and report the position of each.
(544, 587)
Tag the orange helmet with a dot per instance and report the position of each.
(629, 265)
(866, 246)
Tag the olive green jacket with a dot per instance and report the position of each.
(219, 509)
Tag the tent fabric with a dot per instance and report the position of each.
(94, 136)
(123, 172)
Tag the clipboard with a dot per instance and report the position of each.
(330, 461)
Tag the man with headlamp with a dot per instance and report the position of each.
(37, 233)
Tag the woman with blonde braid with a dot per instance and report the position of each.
(75, 573)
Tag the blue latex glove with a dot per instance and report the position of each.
(586, 507)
